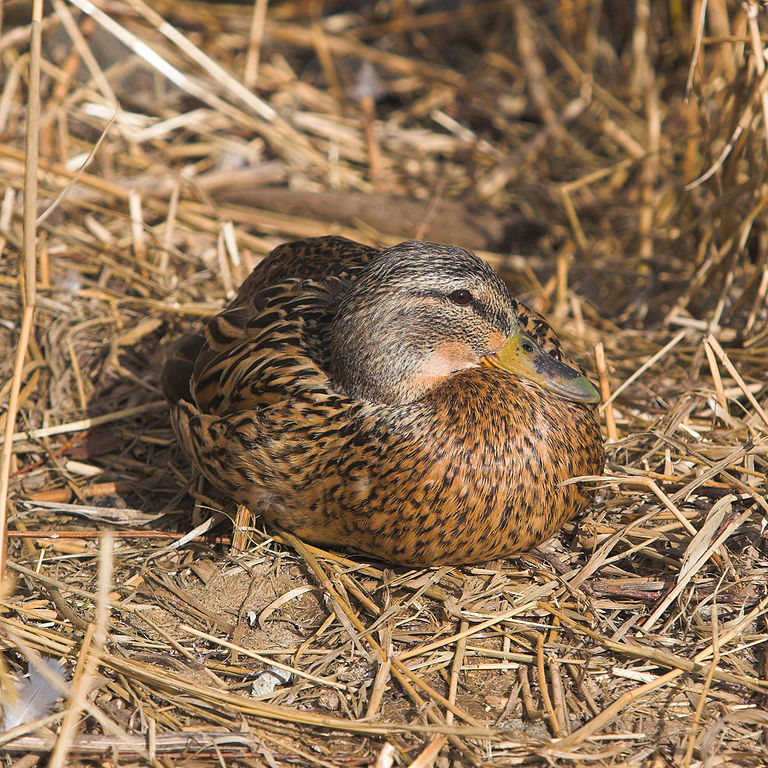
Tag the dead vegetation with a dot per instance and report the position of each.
(609, 159)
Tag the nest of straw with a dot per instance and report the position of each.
(609, 159)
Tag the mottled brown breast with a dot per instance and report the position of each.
(470, 473)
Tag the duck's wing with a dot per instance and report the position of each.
(543, 334)
(536, 326)
(266, 350)
(282, 306)
(254, 389)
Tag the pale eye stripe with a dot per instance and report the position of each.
(479, 307)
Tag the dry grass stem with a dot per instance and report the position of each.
(27, 275)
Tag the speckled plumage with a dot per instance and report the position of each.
(465, 471)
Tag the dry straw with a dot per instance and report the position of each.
(611, 168)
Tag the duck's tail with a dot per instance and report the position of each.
(230, 453)
(178, 367)
(198, 435)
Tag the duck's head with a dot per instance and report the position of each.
(420, 312)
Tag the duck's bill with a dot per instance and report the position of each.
(522, 356)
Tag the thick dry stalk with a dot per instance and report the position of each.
(29, 272)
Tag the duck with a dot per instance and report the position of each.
(398, 403)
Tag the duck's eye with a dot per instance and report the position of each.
(460, 297)
(528, 347)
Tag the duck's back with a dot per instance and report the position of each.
(298, 283)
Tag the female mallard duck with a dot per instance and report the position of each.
(395, 402)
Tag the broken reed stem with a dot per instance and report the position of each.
(251, 71)
(427, 757)
(240, 534)
(605, 392)
(379, 683)
(725, 360)
(545, 697)
(705, 690)
(458, 660)
(31, 152)
(90, 656)
(716, 377)
(368, 108)
(561, 285)
(137, 225)
(558, 695)
(386, 756)
(753, 9)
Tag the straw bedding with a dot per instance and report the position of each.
(608, 159)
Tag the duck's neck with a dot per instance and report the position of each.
(375, 364)
(388, 356)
